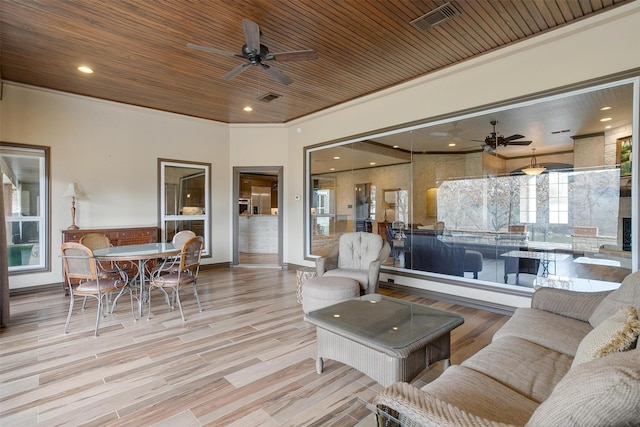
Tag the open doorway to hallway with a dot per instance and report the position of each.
(257, 220)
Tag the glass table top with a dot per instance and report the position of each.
(142, 250)
(385, 321)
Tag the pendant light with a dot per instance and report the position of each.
(534, 168)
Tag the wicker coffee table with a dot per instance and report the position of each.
(385, 338)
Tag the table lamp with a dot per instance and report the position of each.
(73, 192)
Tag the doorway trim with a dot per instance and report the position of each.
(237, 171)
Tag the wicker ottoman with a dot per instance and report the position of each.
(320, 292)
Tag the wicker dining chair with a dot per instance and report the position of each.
(100, 241)
(182, 237)
(79, 264)
(169, 277)
(110, 269)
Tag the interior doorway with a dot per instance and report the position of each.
(257, 217)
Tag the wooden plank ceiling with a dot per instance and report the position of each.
(138, 48)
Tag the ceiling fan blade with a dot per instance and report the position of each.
(297, 55)
(252, 33)
(519, 142)
(212, 50)
(512, 137)
(276, 74)
(233, 73)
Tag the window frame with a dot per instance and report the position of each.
(605, 82)
(163, 217)
(44, 218)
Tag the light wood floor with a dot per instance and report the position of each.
(247, 360)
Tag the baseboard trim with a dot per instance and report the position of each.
(451, 299)
(35, 289)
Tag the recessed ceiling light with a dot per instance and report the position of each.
(336, 157)
(395, 146)
(605, 108)
(372, 163)
(606, 119)
(247, 109)
(452, 144)
(332, 169)
(608, 127)
(85, 69)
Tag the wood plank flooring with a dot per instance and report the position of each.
(247, 360)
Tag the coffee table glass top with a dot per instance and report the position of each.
(385, 321)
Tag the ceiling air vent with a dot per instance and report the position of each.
(269, 97)
(435, 17)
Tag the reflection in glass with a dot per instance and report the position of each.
(184, 200)
(449, 204)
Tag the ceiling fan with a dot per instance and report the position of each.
(258, 54)
(494, 140)
(452, 134)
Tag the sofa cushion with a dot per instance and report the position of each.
(528, 368)
(480, 395)
(616, 333)
(559, 333)
(602, 392)
(627, 294)
(578, 305)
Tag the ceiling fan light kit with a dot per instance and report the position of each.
(534, 168)
(258, 54)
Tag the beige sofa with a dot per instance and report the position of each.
(547, 366)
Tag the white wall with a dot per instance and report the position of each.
(262, 145)
(111, 151)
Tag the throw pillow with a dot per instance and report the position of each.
(617, 333)
(602, 392)
(627, 294)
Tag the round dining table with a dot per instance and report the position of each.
(139, 254)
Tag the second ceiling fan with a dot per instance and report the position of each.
(257, 54)
(493, 140)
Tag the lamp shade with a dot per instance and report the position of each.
(432, 201)
(72, 190)
(534, 168)
(534, 171)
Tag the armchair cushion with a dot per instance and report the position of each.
(361, 276)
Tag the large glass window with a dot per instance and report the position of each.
(457, 189)
(25, 183)
(184, 199)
